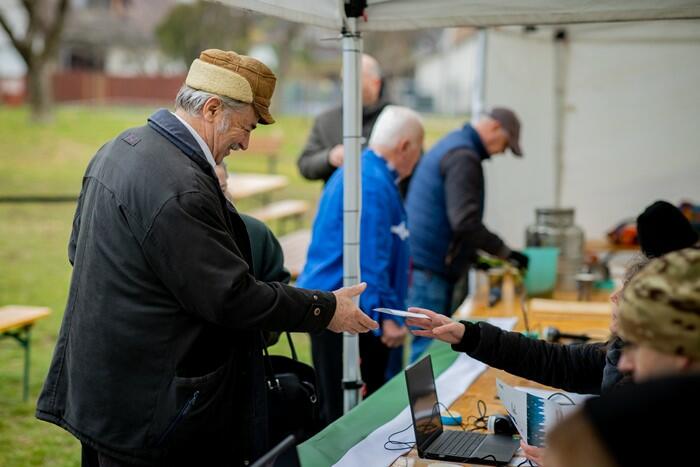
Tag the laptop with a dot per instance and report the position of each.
(450, 445)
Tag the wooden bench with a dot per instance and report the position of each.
(268, 146)
(281, 211)
(294, 246)
(16, 321)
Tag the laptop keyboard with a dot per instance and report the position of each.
(456, 443)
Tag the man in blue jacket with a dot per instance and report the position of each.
(445, 208)
(394, 148)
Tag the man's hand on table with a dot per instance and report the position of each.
(437, 326)
(348, 317)
(393, 335)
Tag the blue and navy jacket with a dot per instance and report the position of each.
(384, 249)
(445, 205)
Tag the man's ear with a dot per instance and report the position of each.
(404, 144)
(212, 106)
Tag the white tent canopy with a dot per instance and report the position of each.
(386, 15)
(389, 15)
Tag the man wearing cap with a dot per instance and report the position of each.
(445, 207)
(158, 360)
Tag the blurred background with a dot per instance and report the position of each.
(610, 124)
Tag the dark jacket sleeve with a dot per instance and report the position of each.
(573, 367)
(313, 161)
(196, 257)
(464, 185)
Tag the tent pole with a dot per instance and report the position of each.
(560, 74)
(352, 199)
(479, 85)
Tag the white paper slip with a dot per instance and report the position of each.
(401, 313)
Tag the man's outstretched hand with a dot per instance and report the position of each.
(348, 317)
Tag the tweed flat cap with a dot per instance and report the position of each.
(236, 76)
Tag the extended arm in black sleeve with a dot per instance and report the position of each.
(573, 367)
(197, 259)
(313, 162)
(461, 169)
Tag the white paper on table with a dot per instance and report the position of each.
(532, 415)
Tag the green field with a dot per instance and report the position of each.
(34, 270)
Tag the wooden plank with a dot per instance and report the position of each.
(17, 316)
(295, 245)
(281, 210)
(541, 305)
(244, 185)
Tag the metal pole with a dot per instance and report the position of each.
(560, 72)
(479, 85)
(352, 199)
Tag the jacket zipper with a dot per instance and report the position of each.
(180, 415)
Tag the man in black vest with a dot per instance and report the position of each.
(445, 207)
(158, 360)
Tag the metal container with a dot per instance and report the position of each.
(555, 227)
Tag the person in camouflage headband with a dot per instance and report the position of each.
(660, 317)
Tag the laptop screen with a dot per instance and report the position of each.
(423, 400)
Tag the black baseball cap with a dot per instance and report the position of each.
(511, 124)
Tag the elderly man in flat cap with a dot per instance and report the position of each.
(158, 360)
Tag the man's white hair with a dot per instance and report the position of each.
(394, 123)
(192, 101)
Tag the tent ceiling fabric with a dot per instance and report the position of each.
(388, 15)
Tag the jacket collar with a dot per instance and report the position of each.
(390, 172)
(474, 137)
(168, 126)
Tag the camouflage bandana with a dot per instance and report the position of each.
(660, 307)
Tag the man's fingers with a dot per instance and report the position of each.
(419, 323)
(445, 328)
(356, 289)
(423, 333)
(429, 313)
(367, 322)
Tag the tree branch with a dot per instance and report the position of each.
(53, 36)
(22, 47)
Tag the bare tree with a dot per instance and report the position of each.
(38, 47)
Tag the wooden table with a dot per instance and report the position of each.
(295, 246)
(16, 321)
(484, 388)
(245, 185)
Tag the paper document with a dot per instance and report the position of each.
(532, 414)
(402, 313)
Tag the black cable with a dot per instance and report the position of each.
(480, 422)
(461, 425)
(526, 460)
(561, 394)
(403, 444)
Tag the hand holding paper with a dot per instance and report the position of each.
(436, 326)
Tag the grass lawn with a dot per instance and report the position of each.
(34, 268)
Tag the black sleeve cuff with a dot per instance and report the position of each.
(470, 339)
(320, 311)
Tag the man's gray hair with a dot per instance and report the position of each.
(192, 101)
(395, 122)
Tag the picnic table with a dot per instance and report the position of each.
(16, 321)
(245, 185)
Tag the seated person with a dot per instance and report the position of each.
(660, 321)
(394, 148)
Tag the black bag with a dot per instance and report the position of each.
(292, 400)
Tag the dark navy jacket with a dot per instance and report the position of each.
(158, 359)
(384, 249)
(445, 206)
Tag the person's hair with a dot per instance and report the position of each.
(192, 101)
(393, 124)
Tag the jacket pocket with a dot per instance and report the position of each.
(187, 405)
(178, 418)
